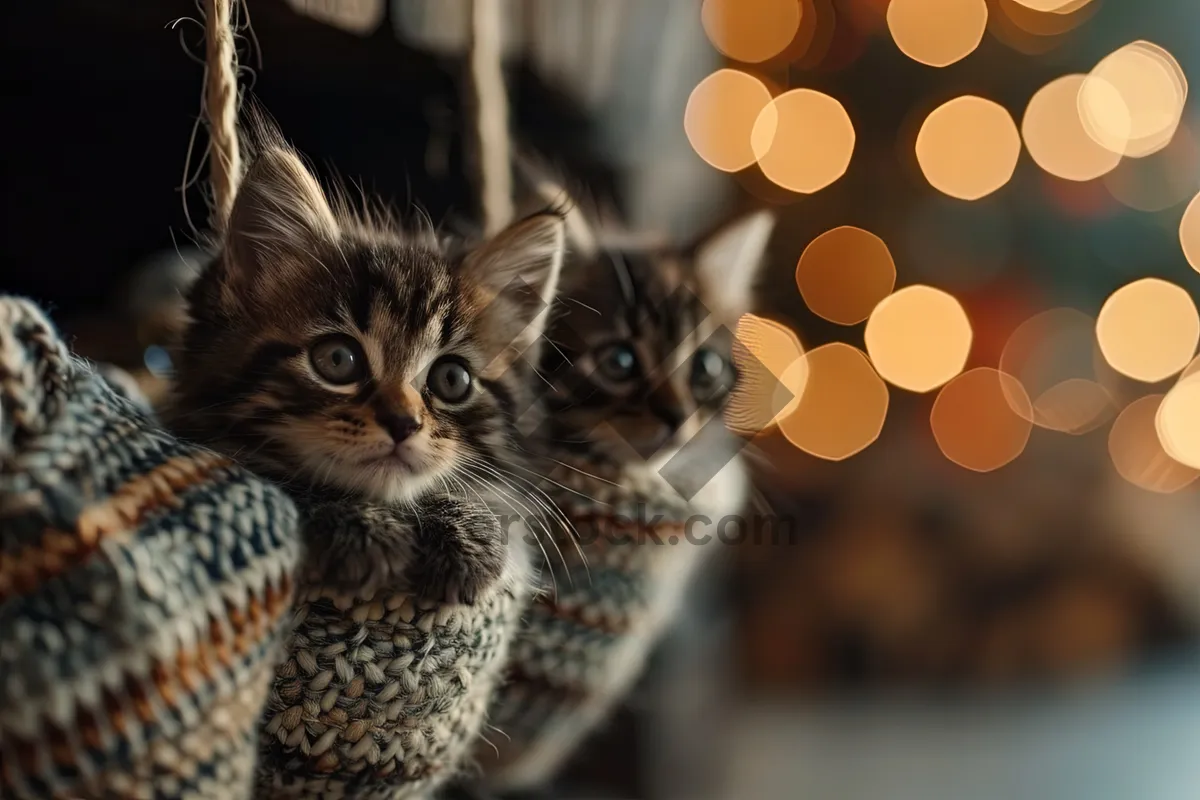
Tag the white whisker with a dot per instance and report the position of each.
(543, 500)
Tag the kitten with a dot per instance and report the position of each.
(346, 358)
(641, 369)
(644, 356)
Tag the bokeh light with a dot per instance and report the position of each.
(1132, 101)
(1045, 25)
(1148, 330)
(720, 116)
(803, 140)
(1138, 454)
(868, 16)
(1161, 180)
(772, 375)
(968, 147)
(1055, 135)
(843, 407)
(751, 30)
(976, 422)
(1054, 6)
(1189, 233)
(815, 36)
(1191, 369)
(844, 273)
(1177, 421)
(1052, 355)
(1033, 32)
(918, 338)
(937, 32)
(1075, 406)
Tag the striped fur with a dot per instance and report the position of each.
(411, 591)
(670, 307)
(297, 268)
(607, 445)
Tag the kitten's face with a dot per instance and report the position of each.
(643, 358)
(350, 358)
(369, 375)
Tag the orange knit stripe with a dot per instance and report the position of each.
(248, 627)
(115, 517)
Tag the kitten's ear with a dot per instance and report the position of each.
(727, 261)
(520, 267)
(551, 189)
(278, 214)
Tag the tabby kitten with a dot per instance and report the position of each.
(345, 357)
(643, 364)
(641, 368)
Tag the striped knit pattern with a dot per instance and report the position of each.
(383, 697)
(144, 586)
(588, 633)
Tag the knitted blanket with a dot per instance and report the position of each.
(383, 696)
(601, 607)
(144, 586)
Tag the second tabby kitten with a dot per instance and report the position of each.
(638, 458)
(348, 359)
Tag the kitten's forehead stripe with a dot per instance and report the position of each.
(450, 315)
(367, 287)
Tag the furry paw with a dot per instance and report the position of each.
(364, 550)
(444, 550)
(460, 558)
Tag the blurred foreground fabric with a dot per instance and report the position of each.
(144, 587)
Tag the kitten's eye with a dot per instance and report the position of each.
(450, 380)
(711, 376)
(339, 360)
(617, 362)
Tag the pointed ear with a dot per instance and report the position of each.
(727, 261)
(518, 270)
(552, 190)
(279, 213)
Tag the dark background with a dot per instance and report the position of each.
(100, 103)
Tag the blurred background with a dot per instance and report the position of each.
(980, 300)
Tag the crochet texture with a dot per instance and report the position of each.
(590, 628)
(384, 696)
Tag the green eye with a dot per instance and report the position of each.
(338, 359)
(617, 362)
(450, 380)
(711, 376)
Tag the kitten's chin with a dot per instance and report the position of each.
(383, 482)
(396, 487)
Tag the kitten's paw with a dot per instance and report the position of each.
(359, 550)
(365, 571)
(458, 566)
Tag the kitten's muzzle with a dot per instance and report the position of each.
(398, 426)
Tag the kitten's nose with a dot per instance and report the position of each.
(669, 409)
(398, 426)
(671, 417)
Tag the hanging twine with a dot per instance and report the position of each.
(491, 114)
(221, 108)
